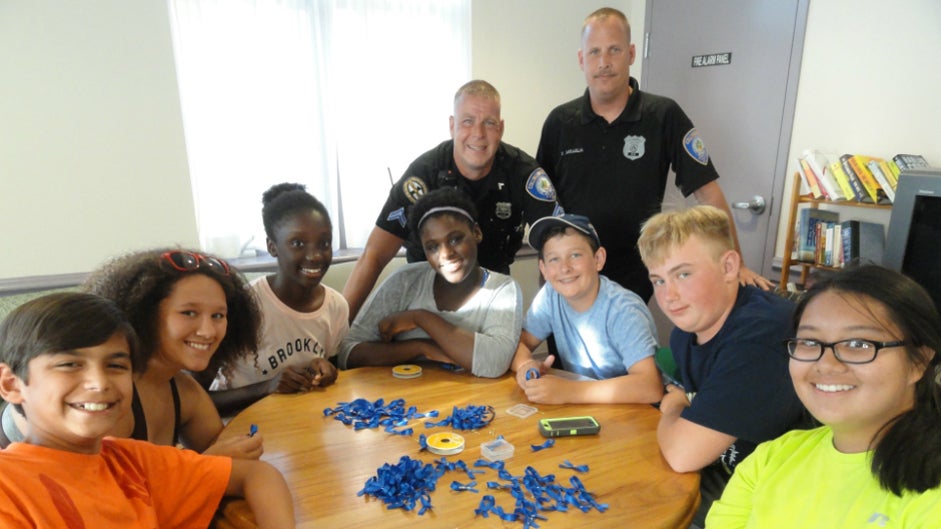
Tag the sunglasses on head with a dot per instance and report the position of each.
(190, 261)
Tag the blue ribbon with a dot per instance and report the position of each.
(460, 487)
(362, 414)
(486, 503)
(496, 465)
(578, 468)
(468, 418)
(408, 485)
(548, 444)
(404, 484)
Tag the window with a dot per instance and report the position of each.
(339, 95)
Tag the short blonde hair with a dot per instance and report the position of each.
(670, 229)
(603, 14)
(477, 88)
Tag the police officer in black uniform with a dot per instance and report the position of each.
(609, 152)
(507, 186)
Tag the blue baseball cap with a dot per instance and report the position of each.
(579, 223)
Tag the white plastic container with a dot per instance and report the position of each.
(497, 450)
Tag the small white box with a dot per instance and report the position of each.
(497, 450)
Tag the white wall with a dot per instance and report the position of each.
(869, 84)
(92, 154)
(92, 157)
(527, 49)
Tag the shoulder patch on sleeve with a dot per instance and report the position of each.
(398, 216)
(539, 186)
(695, 147)
(414, 188)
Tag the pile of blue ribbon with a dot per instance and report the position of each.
(404, 485)
(468, 418)
(361, 414)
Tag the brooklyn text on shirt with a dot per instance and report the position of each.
(300, 345)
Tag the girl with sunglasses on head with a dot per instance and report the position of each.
(448, 309)
(304, 320)
(865, 363)
(191, 313)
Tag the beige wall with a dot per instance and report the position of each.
(529, 54)
(92, 157)
(869, 84)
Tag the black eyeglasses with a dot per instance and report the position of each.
(190, 261)
(851, 351)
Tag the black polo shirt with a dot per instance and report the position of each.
(515, 192)
(616, 173)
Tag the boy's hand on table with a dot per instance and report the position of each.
(523, 373)
(674, 400)
(548, 389)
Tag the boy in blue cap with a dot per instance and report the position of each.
(603, 332)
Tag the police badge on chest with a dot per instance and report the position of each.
(633, 147)
(503, 210)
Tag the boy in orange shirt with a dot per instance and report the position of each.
(66, 360)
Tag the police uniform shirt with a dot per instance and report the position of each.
(616, 174)
(517, 191)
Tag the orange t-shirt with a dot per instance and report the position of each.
(128, 485)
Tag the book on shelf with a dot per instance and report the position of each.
(910, 161)
(836, 169)
(892, 174)
(837, 259)
(894, 168)
(820, 242)
(828, 238)
(858, 165)
(876, 169)
(808, 178)
(820, 167)
(829, 245)
(862, 241)
(858, 190)
(808, 234)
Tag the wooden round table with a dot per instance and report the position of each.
(326, 462)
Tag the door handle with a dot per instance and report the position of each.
(756, 205)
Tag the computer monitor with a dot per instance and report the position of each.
(913, 243)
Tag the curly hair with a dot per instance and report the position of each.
(283, 200)
(137, 282)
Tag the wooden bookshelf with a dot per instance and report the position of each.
(790, 241)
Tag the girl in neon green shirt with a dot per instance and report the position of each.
(865, 363)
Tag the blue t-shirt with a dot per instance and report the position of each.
(740, 376)
(602, 342)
